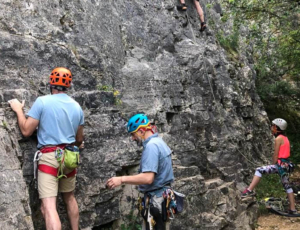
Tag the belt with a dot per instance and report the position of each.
(169, 185)
(49, 149)
(52, 170)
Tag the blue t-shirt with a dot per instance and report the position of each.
(156, 158)
(59, 117)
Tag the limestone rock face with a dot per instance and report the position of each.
(129, 57)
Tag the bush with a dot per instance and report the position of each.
(230, 43)
(270, 186)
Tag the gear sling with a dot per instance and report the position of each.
(66, 155)
(172, 204)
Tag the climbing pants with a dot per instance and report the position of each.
(272, 169)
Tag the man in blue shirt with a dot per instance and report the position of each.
(60, 122)
(156, 171)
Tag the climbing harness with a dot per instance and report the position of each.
(172, 204)
(36, 159)
(66, 155)
(285, 166)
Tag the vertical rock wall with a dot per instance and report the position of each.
(129, 57)
(15, 211)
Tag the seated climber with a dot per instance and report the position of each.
(183, 7)
(281, 164)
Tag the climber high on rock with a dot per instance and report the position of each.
(183, 7)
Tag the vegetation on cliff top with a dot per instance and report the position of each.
(273, 42)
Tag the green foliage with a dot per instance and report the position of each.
(225, 17)
(106, 88)
(269, 186)
(117, 97)
(231, 42)
(133, 222)
(274, 44)
(274, 31)
(208, 6)
(4, 124)
(278, 91)
(118, 101)
(116, 93)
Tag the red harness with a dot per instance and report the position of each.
(52, 170)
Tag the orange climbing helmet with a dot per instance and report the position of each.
(61, 76)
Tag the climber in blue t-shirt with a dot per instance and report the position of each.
(60, 121)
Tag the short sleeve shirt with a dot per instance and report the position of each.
(59, 117)
(156, 157)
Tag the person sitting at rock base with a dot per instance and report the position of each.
(183, 7)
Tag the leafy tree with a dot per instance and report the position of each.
(273, 41)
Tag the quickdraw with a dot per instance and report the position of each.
(144, 206)
(172, 206)
(36, 159)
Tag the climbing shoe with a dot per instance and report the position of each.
(203, 26)
(246, 193)
(292, 212)
(182, 7)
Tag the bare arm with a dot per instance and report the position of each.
(142, 178)
(27, 125)
(79, 136)
(278, 143)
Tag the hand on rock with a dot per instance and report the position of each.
(16, 105)
(82, 145)
(114, 182)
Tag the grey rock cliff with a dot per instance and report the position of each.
(129, 57)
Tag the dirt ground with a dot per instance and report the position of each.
(276, 222)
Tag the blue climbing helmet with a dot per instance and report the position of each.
(136, 122)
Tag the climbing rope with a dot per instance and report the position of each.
(212, 92)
